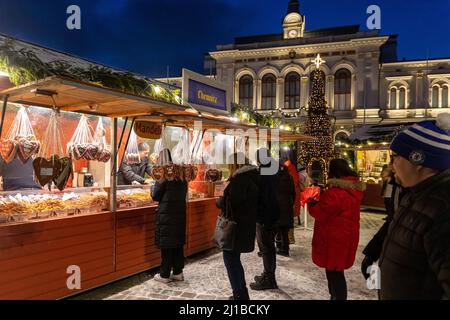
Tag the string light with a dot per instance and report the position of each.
(318, 124)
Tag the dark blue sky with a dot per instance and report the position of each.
(145, 36)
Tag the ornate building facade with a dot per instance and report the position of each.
(365, 82)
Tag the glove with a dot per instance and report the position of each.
(366, 263)
(312, 201)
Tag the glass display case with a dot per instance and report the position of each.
(29, 205)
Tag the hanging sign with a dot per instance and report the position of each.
(206, 94)
(147, 130)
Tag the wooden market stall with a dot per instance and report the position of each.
(37, 257)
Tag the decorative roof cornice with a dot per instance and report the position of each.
(300, 48)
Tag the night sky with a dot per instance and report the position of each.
(147, 36)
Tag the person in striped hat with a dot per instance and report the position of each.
(415, 259)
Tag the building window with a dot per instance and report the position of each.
(435, 97)
(311, 78)
(292, 91)
(445, 97)
(269, 92)
(342, 89)
(393, 98)
(402, 100)
(246, 91)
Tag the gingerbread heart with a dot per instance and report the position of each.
(187, 173)
(45, 170)
(132, 158)
(91, 152)
(103, 155)
(169, 172)
(8, 150)
(62, 176)
(79, 150)
(194, 172)
(27, 148)
(158, 173)
(212, 175)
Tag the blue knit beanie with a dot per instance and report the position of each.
(426, 143)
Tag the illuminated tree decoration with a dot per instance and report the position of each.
(318, 124)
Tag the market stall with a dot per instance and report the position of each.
(82, 223)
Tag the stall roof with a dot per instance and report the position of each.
(77, 96)
(378, 131)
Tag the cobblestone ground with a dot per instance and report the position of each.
(205, 276)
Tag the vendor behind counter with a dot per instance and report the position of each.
(136, 172)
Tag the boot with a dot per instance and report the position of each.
(284, 253)
(265, 282)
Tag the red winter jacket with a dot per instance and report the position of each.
(294, 174)
(336, 227)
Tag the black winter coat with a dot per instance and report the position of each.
(242, 195)
(171, 213)
(268, 207)
(286, 197)
(374, 247)
(134, 172)
(415, 260)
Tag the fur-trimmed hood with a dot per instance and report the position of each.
(347, 183)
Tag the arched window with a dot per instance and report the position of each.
(445, 92)
(402, 99)
(435, 97)
(393, 98)
(342, 89)
(292, 91)
(269, 92)
(246, 91)
(311, 78)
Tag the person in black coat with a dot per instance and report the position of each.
(268, 214)
(136, 172)
(170, 234)
(415, 258)
(239, 203)
(286, 197)
(372, 251)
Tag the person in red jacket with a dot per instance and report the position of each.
(336, 227)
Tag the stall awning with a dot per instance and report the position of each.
(76, 96)
(378, 132)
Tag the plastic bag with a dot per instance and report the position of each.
(132, 152)
(52, 165)
(20, 140)
(103, 153)
(81, 145)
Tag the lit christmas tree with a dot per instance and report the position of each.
(318, 125)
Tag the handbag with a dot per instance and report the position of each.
(224, 234)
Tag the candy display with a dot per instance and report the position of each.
(21, 207)
(131, 198)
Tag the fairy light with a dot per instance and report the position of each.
(318, 123)
(158, 89)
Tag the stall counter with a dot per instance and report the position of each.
(40, 259)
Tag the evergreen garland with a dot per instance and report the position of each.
(23, 66)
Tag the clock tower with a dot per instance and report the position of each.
(294, 22)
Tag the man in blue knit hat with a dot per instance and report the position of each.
(415, 259)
